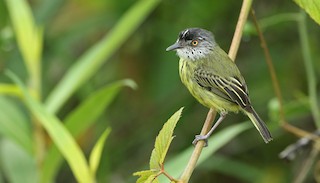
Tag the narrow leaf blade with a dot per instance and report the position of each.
(14, 124)
(59, 134)
(26, 32)
(95, 155)
(87, 112)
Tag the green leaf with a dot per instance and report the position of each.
(96, 152)
(91, 61)
(146, 176)
(14, 124)
(87, 112)
(90, 109)
(59, 134)
(28, 35)
(163, 141)
(233, 168)
(312, 7)
(176, 165)
(10, 89)
(160, 150)
(18, 166)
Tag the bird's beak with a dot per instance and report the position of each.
(175, 46)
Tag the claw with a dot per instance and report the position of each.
(200, 137)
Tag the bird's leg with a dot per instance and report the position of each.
(205, 137)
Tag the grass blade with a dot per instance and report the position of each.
(59, 134)
(14, 124)
(28, 35)
(87, 113)
(96, 152)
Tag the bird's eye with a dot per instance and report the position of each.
(194, 42)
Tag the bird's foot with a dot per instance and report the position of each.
(200, 137)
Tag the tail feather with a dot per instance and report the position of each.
(259, 124)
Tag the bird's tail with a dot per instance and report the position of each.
(259, 124)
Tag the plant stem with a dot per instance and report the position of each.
(311, 76)
(264, 23)
(198, 148)
(306, 165)
(272, 71)
(34, 86)
(246, 5)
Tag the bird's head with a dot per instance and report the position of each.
(193, 44)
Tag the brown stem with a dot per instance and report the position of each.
(246, 5)
(272, 71)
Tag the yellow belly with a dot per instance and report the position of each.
(205, 97)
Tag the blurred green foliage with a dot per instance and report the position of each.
(71, 28)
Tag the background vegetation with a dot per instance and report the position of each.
(79, 61)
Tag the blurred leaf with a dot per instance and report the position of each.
(80, 120)
(59, 134)
(92, 107)
(233, 168)
(91, 61)
(10, 89)
(28, 35)
(160, 150)
(17, 165)
(177, 163)
(312, 7)
(14, 124)
(47, 9)
(293, 109)
(96, 152)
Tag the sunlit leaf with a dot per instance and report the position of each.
(9, 89)
(59, 134)
(96, 152)
(160, 150)
(146, 176)
(312, 7)
(164, 140)
(28, 35)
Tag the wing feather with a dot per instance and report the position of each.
(228, 88)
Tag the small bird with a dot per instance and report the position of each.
(213, 78)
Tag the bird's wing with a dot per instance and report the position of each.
(229, 88)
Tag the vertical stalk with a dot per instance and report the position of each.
(311, 76)
(34, 86)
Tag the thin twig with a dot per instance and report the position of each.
(246, 5)
(306, 166)
(272, 71)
